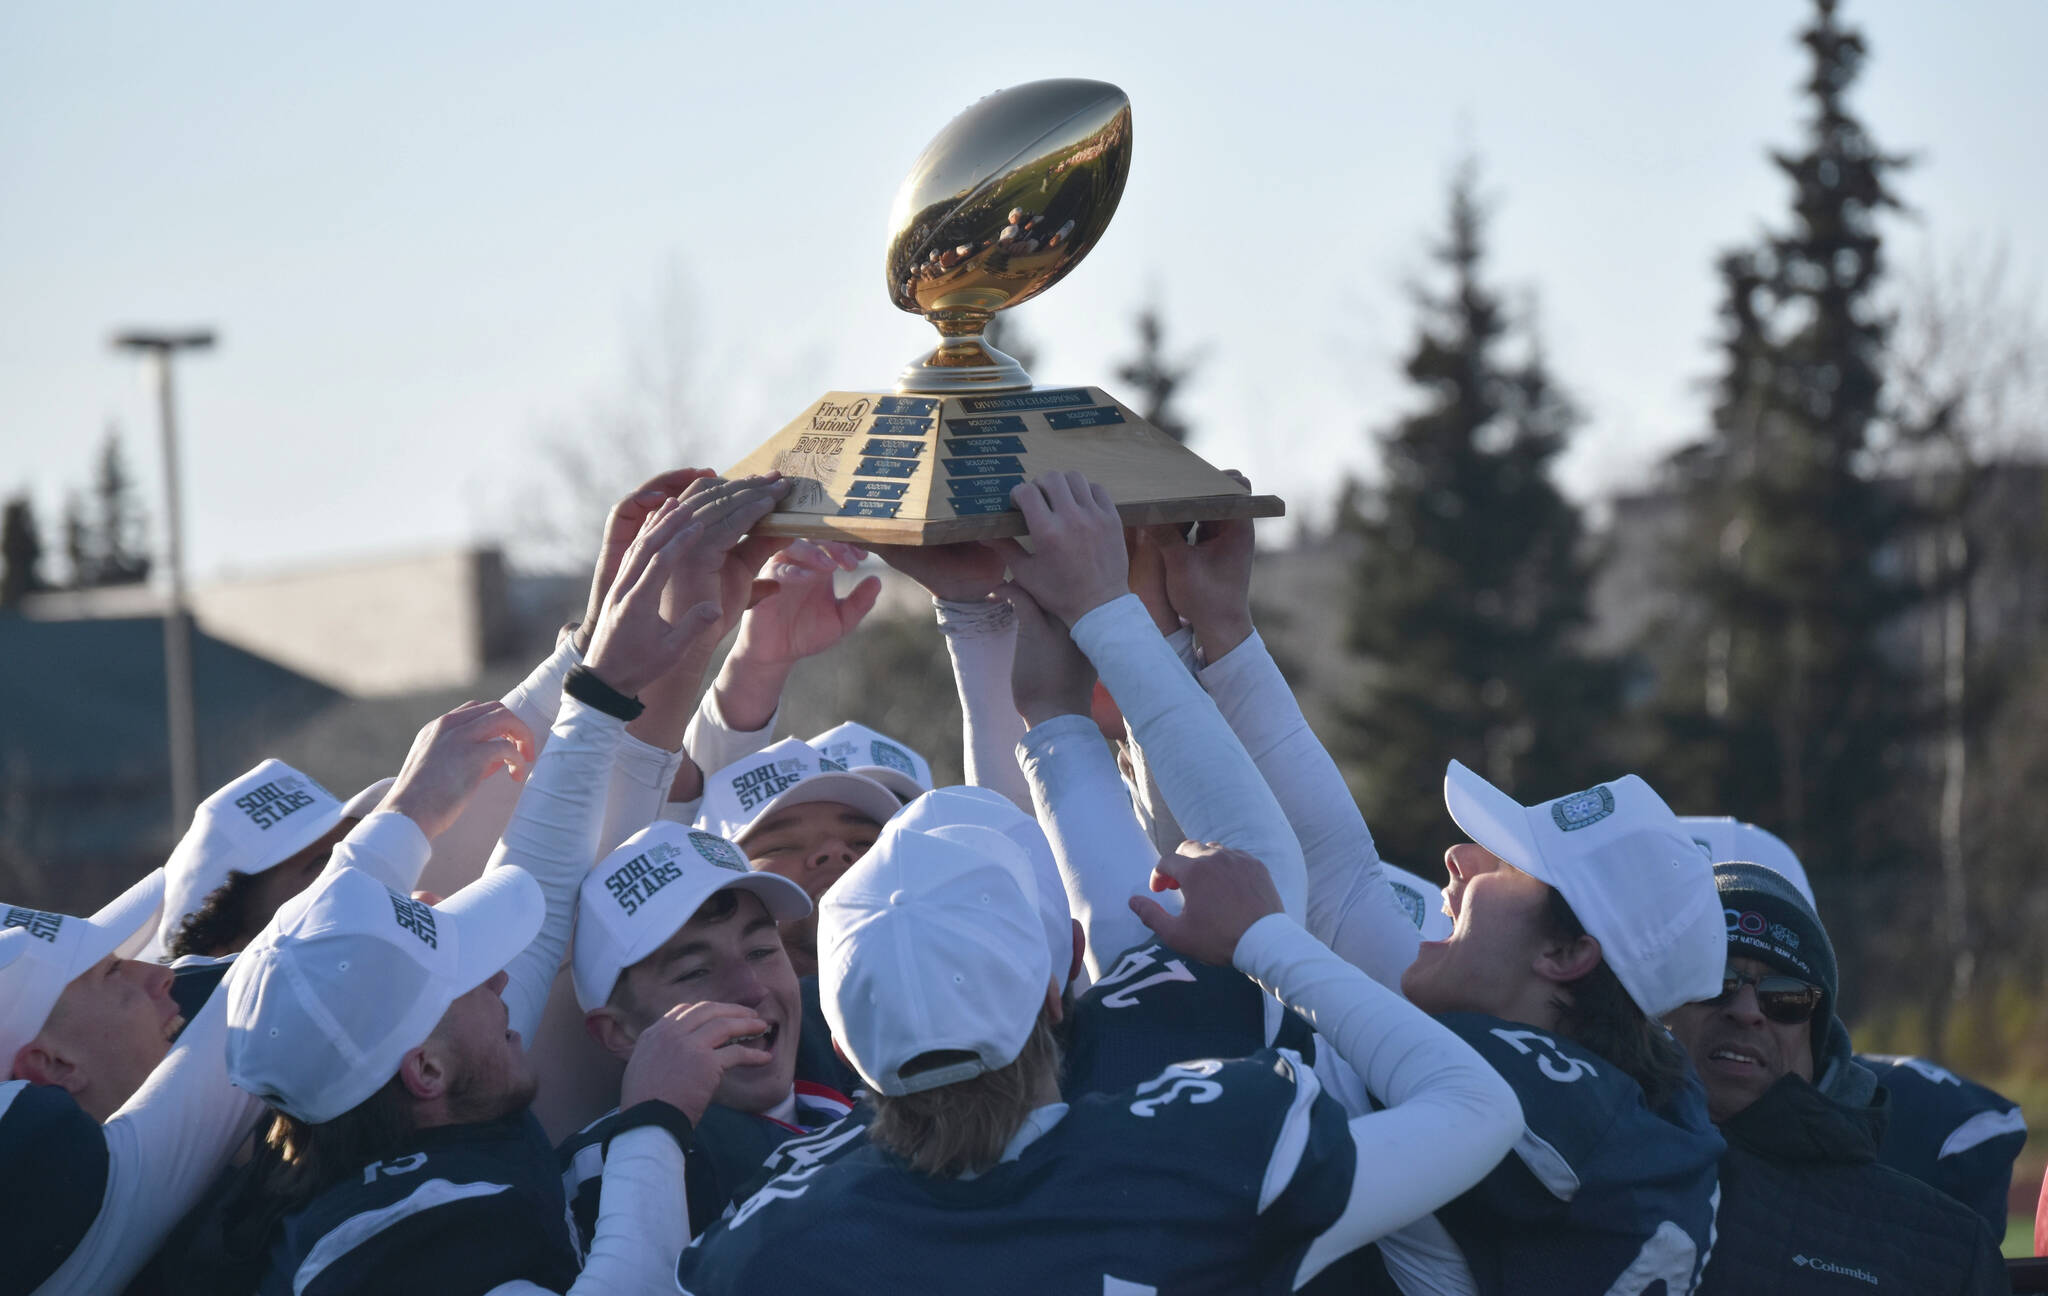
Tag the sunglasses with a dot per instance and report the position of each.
(1783, 999)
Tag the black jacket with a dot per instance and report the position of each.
(1806, 1208)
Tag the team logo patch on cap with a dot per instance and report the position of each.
(1409, 900)
(892, 756)
(270, 804)
(416, 918)
(717, 850)
(633, 883)
(36, 922)
(1582, 809)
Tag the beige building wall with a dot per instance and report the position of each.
(391, 626)
(370, 629)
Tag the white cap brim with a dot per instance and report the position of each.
(861, 793)
(191, 878)
(364, 803)
(1493, 819)
(496, 918)
(906, 788)
(132, 915)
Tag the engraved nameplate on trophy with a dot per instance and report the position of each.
(1000, 206)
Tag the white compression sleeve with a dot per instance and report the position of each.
(1210, 784)
(1146, 797)
(981, 639)
(164, 1147)
(1103, 853)
(461, 851)
(714, 744)
(554, 836)
(1350, 906)
(387, 846)
(641, 777)
(1449, 1118)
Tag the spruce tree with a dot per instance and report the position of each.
(1157, 377)
(21, 552)
(1471, 581)
(1780, 704)
(119, 531)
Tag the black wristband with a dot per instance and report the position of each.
(583, 684)
(654, 1112)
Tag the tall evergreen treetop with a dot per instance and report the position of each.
(1784, 709)
(1157, 377)
(1471, 581)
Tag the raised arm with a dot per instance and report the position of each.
(981, 640)
(1448, 1116)
(555, 833)
(1102, 850)
(1350, 908)
(1078, 571)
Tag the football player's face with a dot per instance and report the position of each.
(1499, 929)
(1737, 1050)
(490, 1074)
(114, 1022)
(812, 845)
(729, 955)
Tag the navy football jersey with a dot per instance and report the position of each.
(1950, 1133)
(1213, 1176)
(54, 1177)
(1600, 1194)
(1155, 1006)
(726, 1153)
(472, 1206)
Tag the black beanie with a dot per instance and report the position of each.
(1768, 920)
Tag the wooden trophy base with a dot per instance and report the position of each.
(926, 470)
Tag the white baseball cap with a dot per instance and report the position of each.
(364, 803)
(1639, 883)
(249, 826)
(932, 944)
(641, 894)
(791, 772)
(1421, 899)
(42, 952)
(987, 808)
(877, 755)
(1731, 841)
(325, 1004)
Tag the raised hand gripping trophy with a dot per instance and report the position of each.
(1008, 199)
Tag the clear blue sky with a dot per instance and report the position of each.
(427, 231)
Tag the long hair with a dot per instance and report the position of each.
(220, 921)
(1599, 1014)
(963, 1128)
(297, 1160)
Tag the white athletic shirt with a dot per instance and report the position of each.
(174, 1135)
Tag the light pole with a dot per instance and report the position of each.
(160, 346)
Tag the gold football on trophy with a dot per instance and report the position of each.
(999, 207)
(1001, 204)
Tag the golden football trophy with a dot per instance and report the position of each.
(1001, 205)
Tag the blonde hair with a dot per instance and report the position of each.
(962, 1128)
